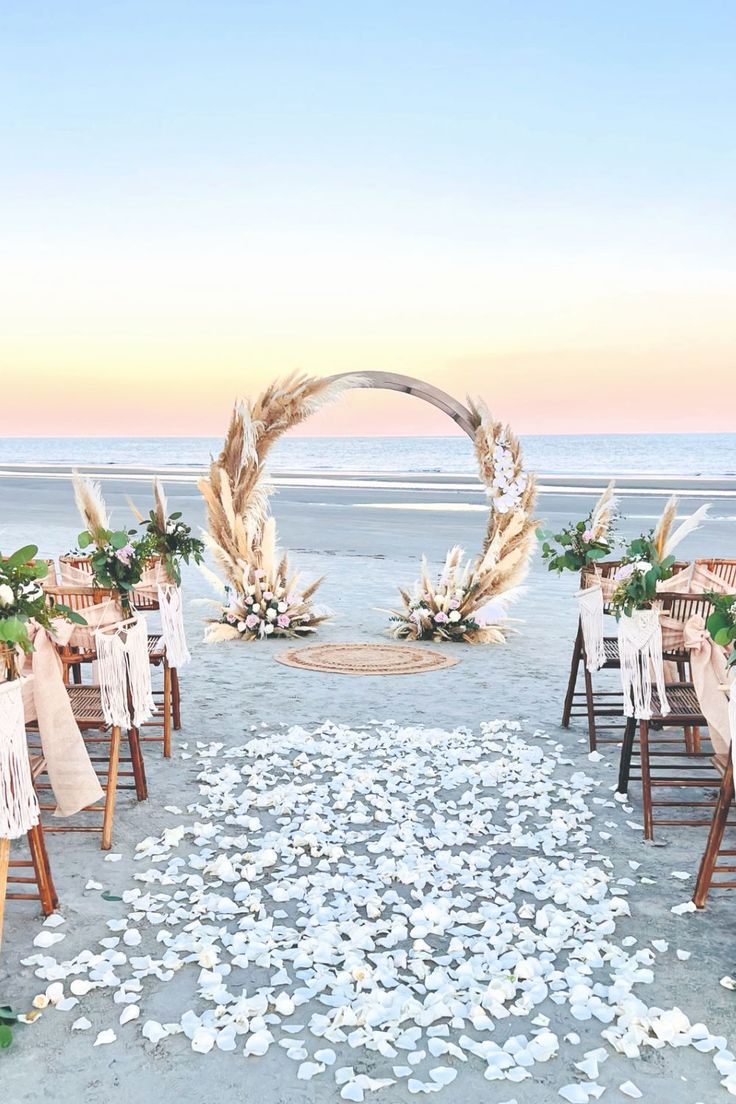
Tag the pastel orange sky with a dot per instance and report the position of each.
(533, 206)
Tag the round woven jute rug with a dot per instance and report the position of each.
(365, 659)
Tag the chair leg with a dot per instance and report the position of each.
(646, 780)
(590, 704)
(715, 839)
(577, 652)
(627, 748)
(175, 698)
(139, 767)
(110, 793)
(42, 868)
(168, 700)
(4, 867)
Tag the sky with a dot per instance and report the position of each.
(528, 201)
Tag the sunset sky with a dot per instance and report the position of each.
(530, 201)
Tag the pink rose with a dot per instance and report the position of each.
(441, 618)
(267, 594)
(453, 603)
(249, 600)
(588, 536)
(251, 621)
(123, 554)
(283, 621)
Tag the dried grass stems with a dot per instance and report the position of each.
(469, 600)
(241, 534)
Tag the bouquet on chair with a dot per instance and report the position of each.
(582, 542)
(722, 623)
(22, 599)
(167, 536)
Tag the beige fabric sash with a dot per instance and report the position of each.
(710, 678)
(705, 580)
(74, 576)
(45, 699)
(152, 578)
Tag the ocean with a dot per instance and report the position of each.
(707, 454)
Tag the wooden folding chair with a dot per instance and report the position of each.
(714, 850)
(104, 745)
(602, 708)
(723, 569)
(663, 760)
(38, 864)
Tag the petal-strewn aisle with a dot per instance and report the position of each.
(396, 908)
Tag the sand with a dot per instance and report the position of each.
(367, 540)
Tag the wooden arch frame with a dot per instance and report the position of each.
(394, 381)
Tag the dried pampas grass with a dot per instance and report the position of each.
(241, 535)
(90, 503)
(470, 599)
(602, 515)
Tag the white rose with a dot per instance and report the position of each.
(242, 626)
(283, 607)
(455, 615)
(271, 614)
(6, 595)
(268, 629)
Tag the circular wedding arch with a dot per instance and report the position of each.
(408, 385)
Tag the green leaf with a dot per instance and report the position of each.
(22, 556)
(107, 896)
(6, 1037)
(118, 540)
(69, 614)
(596, 553)
(84, 539)
(175, 516)
(723, 637)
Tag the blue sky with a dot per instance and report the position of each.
(529, 180)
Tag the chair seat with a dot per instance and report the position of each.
(720, 762)
(610, 648)
(684, 705)
(86, 702)
(156, 647)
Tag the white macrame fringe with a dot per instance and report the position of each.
(172, 625)
(122, 662)
(19, 810)
(590, 604)
(642, 663)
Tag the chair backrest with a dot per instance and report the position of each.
(723, 569)
(80, 599)
(601, 571)
(679, 608)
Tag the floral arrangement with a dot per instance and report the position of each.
(241, 533)
(448, 610)
(268, 603)
(167, 536)
(116, 558)
(649, 561)
(22, 599)
(722, 623)
(581, 542)
(484, 587)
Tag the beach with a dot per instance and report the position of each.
(366, 532)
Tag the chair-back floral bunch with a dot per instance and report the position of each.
(167, 536)
(649, 560)
(116, 558)
(582, 542)
(23, 599)
(721, 623)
